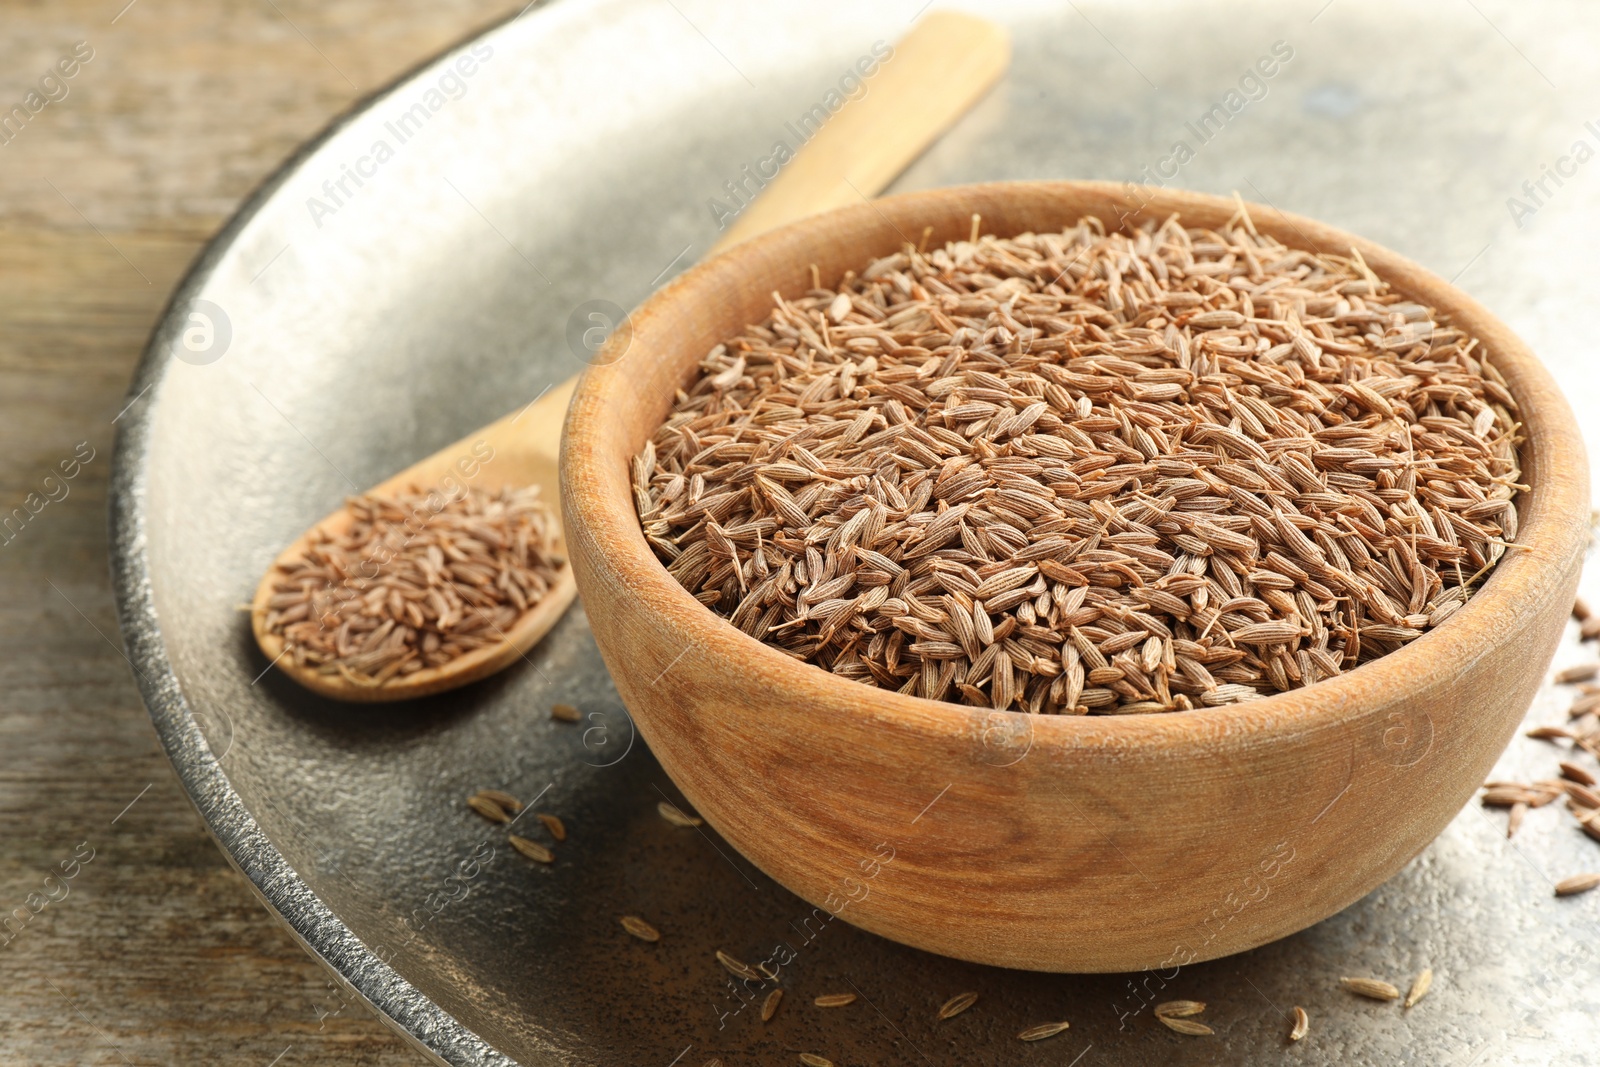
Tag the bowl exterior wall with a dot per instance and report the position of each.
(1054, 843)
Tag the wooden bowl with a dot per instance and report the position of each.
(1051, 842)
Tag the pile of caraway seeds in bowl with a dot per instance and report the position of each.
(1088, 472)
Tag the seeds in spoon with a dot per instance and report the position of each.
(640, 929)
(957, 1004)
(1079, 472)
(1419, 987)
(557, 828)
(1043, 1030)
(488, 808)
(531, 849)
(834, 1000)
(416, 581)
(565, 713)
(1371, 987)
(677, 816)
(1578, 883)
(1302, 1024)
(769, 1007)
(1581, 673)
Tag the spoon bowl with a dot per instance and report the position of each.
(519, 450)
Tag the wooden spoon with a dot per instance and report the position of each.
(931, 78)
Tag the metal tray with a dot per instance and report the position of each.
(329, 336)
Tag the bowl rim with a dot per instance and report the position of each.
(1552, 512)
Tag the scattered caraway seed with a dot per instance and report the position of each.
(1582, 673)
(1582, 796)
(737, 969)
(505, 800)
(565, 713)
(1550, 733)
(834, 1000)
(1514, 821)
(1089, 472)
(1302, 1024)
(957, 1004)
(1504, 796)
(640, 929)
(811, 1059)
(531, 849)
(676, 816)
(557, 828)
(418, 580)
(1043, 1030)
(769, 1007)
(1370, 987)
(489, 809)
(1185, 1026)
(1180, 1009)
(1419, 987)
(1575, 773)
(1578, 883)
(1537, 795)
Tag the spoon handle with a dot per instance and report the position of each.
(914, 93)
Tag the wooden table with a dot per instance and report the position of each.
(157, 953)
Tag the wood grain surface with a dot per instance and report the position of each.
(154, 951)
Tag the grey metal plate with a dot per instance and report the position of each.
(574, 163)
